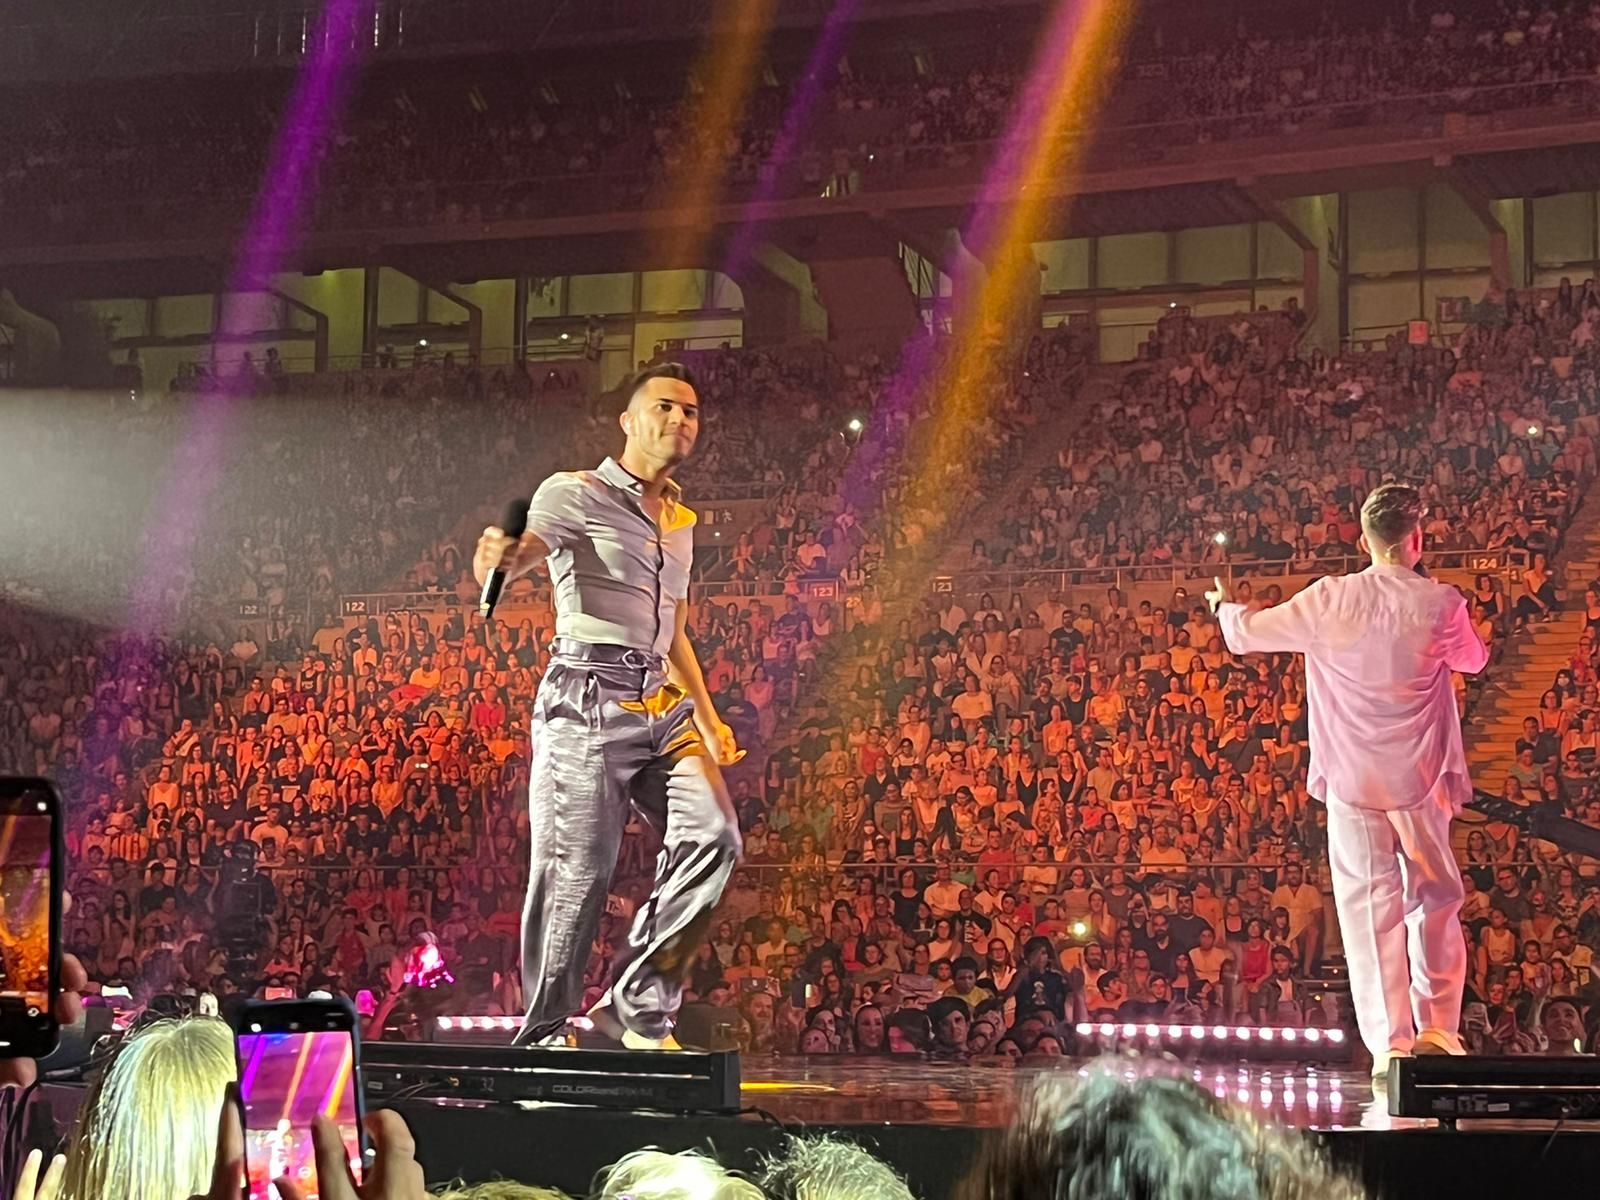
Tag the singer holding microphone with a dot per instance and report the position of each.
(1386, 758)
(622, 717)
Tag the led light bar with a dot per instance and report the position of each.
(1265, 1039)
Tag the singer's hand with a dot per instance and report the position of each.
(497, 549)
(722, 743)
(1218, 595)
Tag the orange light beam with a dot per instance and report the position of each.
(694, 187)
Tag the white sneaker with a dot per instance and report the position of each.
(1380, 1066)
(638, 1041)
(607, 1027)
(1438, 1041)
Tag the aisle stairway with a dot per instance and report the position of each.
(1053, 432)
(1533, 657)
(1052, 435)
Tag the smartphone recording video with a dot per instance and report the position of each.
(296, 1059)
(30, 916)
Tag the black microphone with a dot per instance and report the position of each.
(515, 524)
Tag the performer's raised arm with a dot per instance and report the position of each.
(1286, 628)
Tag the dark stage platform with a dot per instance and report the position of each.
(928, 1120)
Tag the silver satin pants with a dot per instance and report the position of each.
(604, 737)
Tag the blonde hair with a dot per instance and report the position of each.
(829, 1168)
(496, 1189)
(657, 1175)
(149, 1125)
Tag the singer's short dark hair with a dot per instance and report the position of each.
(1390, 513)
(666, 370)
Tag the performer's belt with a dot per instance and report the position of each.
(606, 655)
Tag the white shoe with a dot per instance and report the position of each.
(1380, 1066)
(607, 1027)
(638, 1041)
(1438, 1041)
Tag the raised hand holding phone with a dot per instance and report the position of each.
(395, 1173)
(298, 1066)
(31, 904)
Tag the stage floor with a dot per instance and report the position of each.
(847, 1091)
(930, 1121)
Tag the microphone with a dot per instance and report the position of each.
(515, 524)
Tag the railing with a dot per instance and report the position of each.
(1135, 869)
(1505, 561)
(360, 605)
(721, 492)
(299, 367)
(1374, 339)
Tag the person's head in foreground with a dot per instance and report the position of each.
(497, 1189)
(1152, 1138)
(657, 1175)
(148, 1130)
(826, 1168)
(1391, 525)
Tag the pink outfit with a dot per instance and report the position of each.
(1380, 646)
(1386, 757)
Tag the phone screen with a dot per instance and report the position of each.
(285, 1080)
(27, 840)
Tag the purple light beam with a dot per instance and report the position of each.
(276, 222)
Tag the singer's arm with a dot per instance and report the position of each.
(683, 668)
(555, 517)
(1290, 626)
(517, 555)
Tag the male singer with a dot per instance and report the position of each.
(621, 716)
(1386, 758)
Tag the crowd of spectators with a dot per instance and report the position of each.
(112, 158)
(1025, 814)
(1043, 812)
(275, 808)
(327, 489)
(162, 1122)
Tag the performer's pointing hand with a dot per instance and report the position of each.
(1218, 595)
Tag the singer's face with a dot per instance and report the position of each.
(663, 420)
